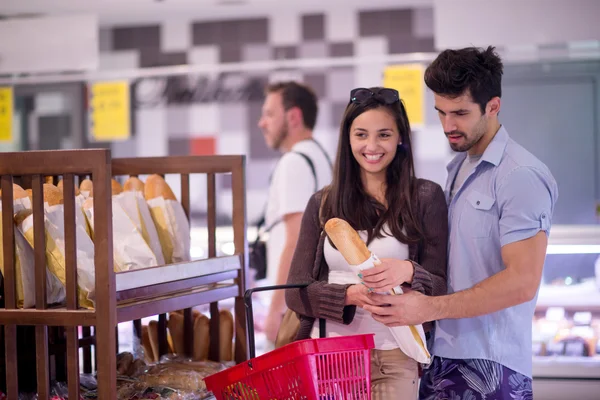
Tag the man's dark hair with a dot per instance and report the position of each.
(294, 94)
(454, 72)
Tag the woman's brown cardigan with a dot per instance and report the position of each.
(325, 300)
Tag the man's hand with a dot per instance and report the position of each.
(358, 295)
(388, 274)
(410, 308)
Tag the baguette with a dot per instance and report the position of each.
(355, 251)
(115, 187)
(153, 336)
(176, 329)
(87, 186)
(133, 184)
(156, 186)
(225, 335)
(146, 344)
(347, 241)
(18, 192)
(52, 195)
(201, 338)
(60, 186)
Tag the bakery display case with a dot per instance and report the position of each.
(566, 325)
(78, 260)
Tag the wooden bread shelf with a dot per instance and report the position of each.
(119, 297)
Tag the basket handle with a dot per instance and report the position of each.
(250, 314)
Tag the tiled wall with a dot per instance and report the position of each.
(210, 124)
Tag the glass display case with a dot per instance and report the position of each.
(566, 325)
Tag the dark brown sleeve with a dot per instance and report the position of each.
(319, 299)
(430, 273)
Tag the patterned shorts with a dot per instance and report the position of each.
(474, 379)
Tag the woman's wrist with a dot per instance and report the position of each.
(410, 273)
(349, 296)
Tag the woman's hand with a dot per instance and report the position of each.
(388, 274)
(358, 295)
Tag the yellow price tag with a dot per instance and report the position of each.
(6, 114)
(408, 81)
(110, 110)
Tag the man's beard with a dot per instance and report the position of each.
(283, 133)
(478, 132)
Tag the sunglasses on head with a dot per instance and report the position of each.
(385, 95)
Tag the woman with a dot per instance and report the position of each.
(402, 219)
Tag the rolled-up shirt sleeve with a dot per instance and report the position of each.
(526, 199)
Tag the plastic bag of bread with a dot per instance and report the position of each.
(169, 218)
(181, 375)
(410, 339)
(130, 249)
(55, 244)
(134, 204)
(25, 260)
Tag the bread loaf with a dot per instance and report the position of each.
(115, 187)
(87, 186)
(124, 361)
(355, 252)
(18, 192)
(201, 338)
(52, 195)
(156, 186)
(176, 329)
(146, 344)
(153, 336)
(225, 335)
(59, 185)
(347, 241)
(133, 184)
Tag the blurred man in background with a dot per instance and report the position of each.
(289, 115)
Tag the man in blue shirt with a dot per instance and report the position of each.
(500, 203)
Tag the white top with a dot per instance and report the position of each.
(363, 322)
(291, 187)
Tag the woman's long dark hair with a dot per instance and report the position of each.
(346, 197)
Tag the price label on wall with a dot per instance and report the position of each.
(110, 110)
(6, 114)
(408, 81)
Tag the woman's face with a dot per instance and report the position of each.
(374, 140)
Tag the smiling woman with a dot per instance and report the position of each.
(402, 219)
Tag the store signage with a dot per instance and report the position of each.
(180, 90)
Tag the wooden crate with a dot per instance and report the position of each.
(123, 296)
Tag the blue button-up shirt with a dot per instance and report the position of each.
(509, 196)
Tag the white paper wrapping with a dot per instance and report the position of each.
(130, 250)
(134, 204)
(171, 213)
(55, 227)
(404, 335)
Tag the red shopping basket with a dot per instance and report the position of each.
(314, 369)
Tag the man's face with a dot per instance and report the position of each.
(462, 120)
(273, 122)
